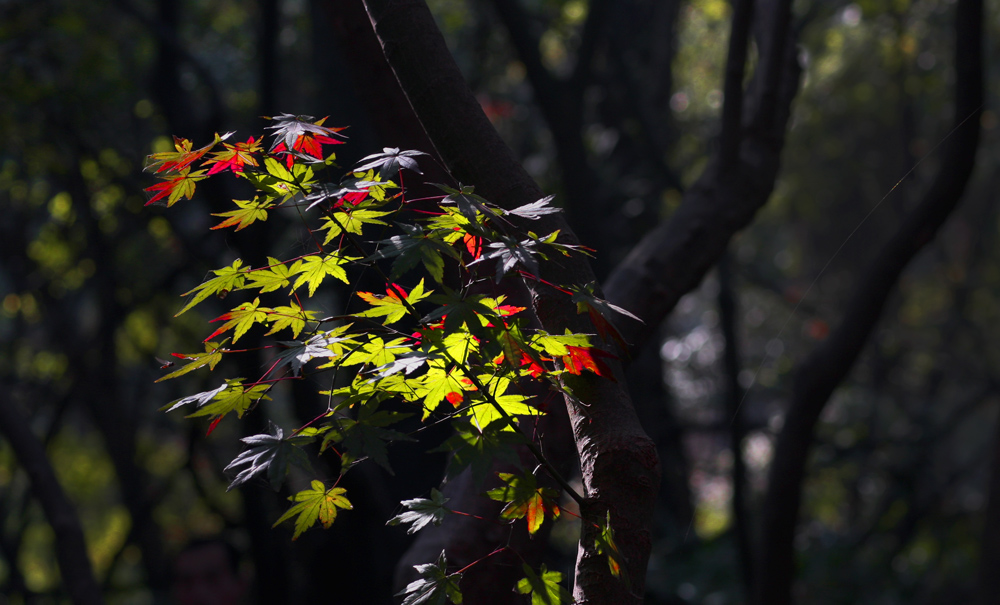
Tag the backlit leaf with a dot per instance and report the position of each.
(315, 504)
(422, 512)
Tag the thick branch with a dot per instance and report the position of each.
(732, 110)
(829, 363)
(672, 259)
(618, 460)
(71, 548)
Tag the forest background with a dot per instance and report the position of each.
(617, 109)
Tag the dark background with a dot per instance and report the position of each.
(896, 495)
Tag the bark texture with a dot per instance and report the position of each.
(619, 463)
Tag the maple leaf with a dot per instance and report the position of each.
(376, 352)
(544, 587)
(199, 398)
(249, 212)
(302, 134)
(227, 279)
(183, 157)
(366, 435)
(467, 202)
(435, 586)
(235, 157)
(300, 353)
(241, 318)
(485, 412)
(578, 359)
(350, 221)
(234, 398)
(438, 384)
(316, 504)
(422, 512)
(390, 160)
(395, 304)
(268, 279)
(414, 247)
(478, 449)
(211, 356)
(182, 185)
(600, 312)
(525, 500)
(535, 209)
(270, 454)
(604, 543)
(291, 316)
(510, 252)
(313, 270)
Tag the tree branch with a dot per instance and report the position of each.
(829, 364)
(71, 548)
(672, 259)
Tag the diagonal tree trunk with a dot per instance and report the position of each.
(618, 461)
(71, 548)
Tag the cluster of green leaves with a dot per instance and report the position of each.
(446, 349)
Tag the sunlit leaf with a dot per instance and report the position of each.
(315, 504)
(435, 586)
(422, 512)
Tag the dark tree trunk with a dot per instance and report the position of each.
(618, 461)
(71, 548)
(818, 376)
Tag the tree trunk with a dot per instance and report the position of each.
(818, 376)
(71, 548)
(618, 461)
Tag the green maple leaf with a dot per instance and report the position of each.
(291, 316)
(604, 543)
(416, 246)
(249, 212)
(435, 586)
(392, 305)
(316, 504)
(351, 221)
(479, 449)
(367, 436)
(314, 269)
(422, 512)
(227, 279)
(525, 500)
(484, 412)
(438, 384)
(268, 279)
(376, 352)
(544, 588)
(211, 356)
(234, 398)
(242, 318)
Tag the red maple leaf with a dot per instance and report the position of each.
(587, 358)
(534, 368)
(310, 144)
(175, 188)
(234, 157)
(474, 245)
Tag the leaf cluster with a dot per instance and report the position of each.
(446, 343)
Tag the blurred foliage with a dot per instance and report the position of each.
(894, 501)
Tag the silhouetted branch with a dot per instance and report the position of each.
(71, 548)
